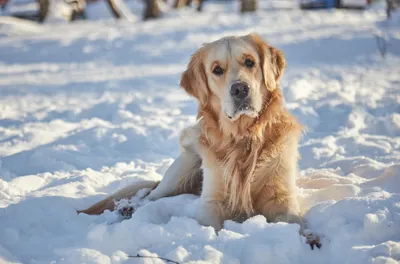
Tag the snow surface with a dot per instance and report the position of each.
(88, 107)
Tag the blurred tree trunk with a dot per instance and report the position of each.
(180, 3)
(249, 6)
(114, 8)
(43, 9)
(152, 9)
(200, 5)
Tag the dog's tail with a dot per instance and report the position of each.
(124, 193)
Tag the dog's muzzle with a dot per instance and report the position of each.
(240, 93)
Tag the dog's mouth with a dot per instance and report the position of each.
(243, 109)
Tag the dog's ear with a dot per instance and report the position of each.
(194, 79)
(278, 61)
(272, 61)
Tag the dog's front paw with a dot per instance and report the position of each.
(126, 211)
(125, 208)
(312, 239)
(210, 214)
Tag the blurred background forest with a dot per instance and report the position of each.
(70, 10)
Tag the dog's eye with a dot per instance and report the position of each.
(218, 70)
(249, 63)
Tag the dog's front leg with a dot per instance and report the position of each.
(183, 176)
(211, 211)
(282, 209)
(286, 209)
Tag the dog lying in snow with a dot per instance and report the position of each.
(241, 156)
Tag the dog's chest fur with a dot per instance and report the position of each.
(248, 167)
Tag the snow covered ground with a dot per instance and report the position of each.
(88, 107)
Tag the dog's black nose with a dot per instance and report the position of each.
(240, 90)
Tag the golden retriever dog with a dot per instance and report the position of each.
(241, 156)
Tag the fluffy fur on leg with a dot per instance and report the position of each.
(125, 193)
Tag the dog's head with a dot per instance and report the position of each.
(234, 76)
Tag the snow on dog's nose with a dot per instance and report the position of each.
(239, 91)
